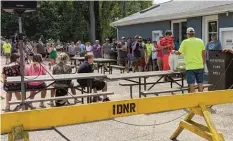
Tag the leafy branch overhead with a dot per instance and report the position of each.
(70, 20)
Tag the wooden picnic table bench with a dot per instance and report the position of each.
(144, 76)
(172, 90)
(121, 68)
(99, 61)
(54, 78)
(131, 84)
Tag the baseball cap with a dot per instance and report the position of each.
(190, 30)
(122, 37)
(136, 37)
(140, 37)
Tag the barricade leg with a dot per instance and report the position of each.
(208, 132)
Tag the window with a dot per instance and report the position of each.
(209, 27)
(212, 29)
(179, 28)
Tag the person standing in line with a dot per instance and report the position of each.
(40, 48)
(2, 43)
(148, 53)
(71, 50)
(167, 45)
(214, 44)
(160, 54)
(142, 52)
(106, 49)
(130, 54)
(113, 51)
(154, 56)
(89, 48)
(82, 49)
(193, 50)
(97, 49)
(122, 52)
(7, 50)
(52, 56)
(137, 46)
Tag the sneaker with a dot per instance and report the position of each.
(51, 103)
(106, 99)
(100, 99)
(94, 99)
(42, 105)
(76, 101)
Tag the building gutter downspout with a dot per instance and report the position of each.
(116, 29)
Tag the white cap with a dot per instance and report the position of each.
(190, 30)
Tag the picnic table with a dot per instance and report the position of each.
(54, 78)
(144, 76)
(101, 62)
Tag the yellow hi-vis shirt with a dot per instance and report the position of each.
(192, 49)
(7, 48)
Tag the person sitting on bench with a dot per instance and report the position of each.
(62, 86)
(97, 85)
(12, 69)
(36, 69)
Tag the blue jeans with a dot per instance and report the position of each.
(195, 76)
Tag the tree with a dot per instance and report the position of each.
(92, 21)
(71, 20)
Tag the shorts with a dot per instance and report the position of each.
(123, 61)
(16, 87)
(39, 87)
(195, 76)
(43, 55)
(142, 63)
(130, 57)
(136, 61)
(71, 56)
(96, 83)
(8, 55)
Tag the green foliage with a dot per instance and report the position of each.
(69, 20)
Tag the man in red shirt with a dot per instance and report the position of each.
(167, 45)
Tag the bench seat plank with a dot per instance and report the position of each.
(117, 66)
(64, 97)
(148, 83)
(163, 91)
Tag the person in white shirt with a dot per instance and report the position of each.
(89, 48)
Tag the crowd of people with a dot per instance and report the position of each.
(136, 54)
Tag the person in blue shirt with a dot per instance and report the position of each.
(214, 44)
(82, 49)
(176, 43)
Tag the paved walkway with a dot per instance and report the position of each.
(110, 130)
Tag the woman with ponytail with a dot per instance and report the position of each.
(36, 68)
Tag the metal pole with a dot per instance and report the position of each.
(23, 92)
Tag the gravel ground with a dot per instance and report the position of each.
(144, 128)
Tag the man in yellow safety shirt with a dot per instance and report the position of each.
(7, 50)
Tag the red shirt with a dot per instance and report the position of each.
(167, 42)
(159, 52)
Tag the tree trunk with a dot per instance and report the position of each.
(97, 21)
(92, 21)
(123, 9)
